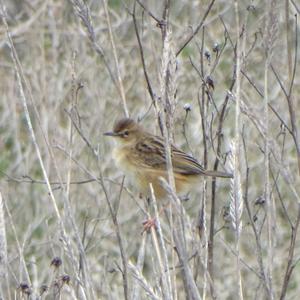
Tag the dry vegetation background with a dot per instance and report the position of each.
(225, 78)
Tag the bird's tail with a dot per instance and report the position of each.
(217, 174)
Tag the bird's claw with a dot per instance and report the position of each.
(148, 224)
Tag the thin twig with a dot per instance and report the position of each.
(148, 11)
(199, 26)
(149, 86)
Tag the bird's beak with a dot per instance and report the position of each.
(111, 133)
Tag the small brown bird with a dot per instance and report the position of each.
(141, 155)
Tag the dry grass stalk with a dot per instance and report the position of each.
(140, 263)
(111, 37)
(269, 41)
(143, 282)
(236, 202)
(165, 115)
(161, 252)
(204, 239)
(180, 243)
(3, 250)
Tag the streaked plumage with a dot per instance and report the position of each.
(141, 155)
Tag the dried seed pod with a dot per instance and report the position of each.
(56, 262)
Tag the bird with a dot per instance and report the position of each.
(142, 156)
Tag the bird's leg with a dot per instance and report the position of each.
(148, 224)
(151, 222)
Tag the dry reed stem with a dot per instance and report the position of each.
(143, 282)
(139, 267)
(191, 289)
(205, 239)
(164, 265)
(3, 250)
(236, 203)
(269, 41)
(165, 116)
(111, 37)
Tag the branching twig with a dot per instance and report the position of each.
(199, 26)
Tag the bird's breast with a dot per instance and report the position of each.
(123, 159)
(128, 162)
(119, 156)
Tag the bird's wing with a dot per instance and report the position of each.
(184, 163)
(151, 152)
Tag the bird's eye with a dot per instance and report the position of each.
(126, 133)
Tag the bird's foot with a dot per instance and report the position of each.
(148, 224)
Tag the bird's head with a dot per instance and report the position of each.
(126, 131)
